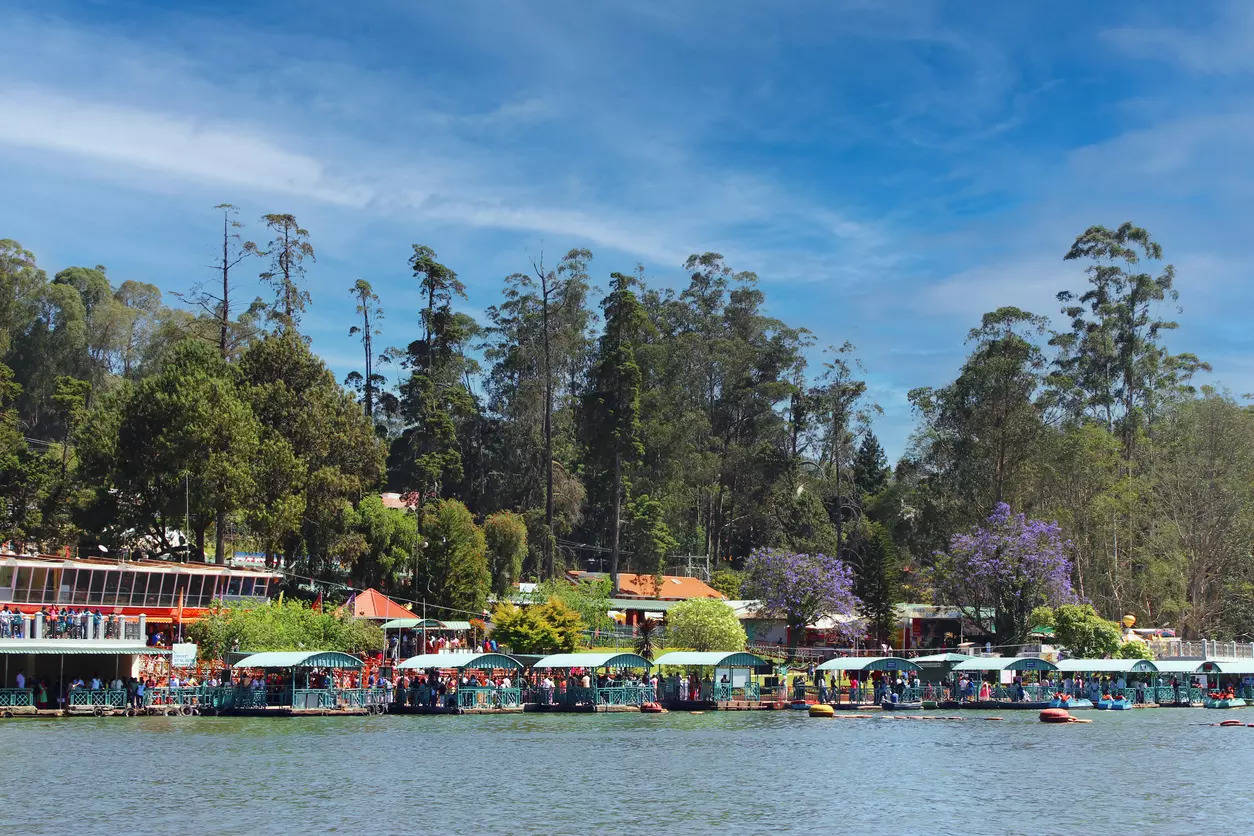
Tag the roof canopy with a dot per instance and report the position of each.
(712, 659)
(869, 663)
(943, 658)
(1241, 667)
(593, 660)
(477, 661)
(78, 647)
(374, 604)
(425, 623)
(1179, 665)
(1006, 663)
(1107, 666)
(299, 659)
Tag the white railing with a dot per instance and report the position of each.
(1202, 649)
(133, 628)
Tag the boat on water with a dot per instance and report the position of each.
(1070, 702)
(902, 705)
(1227, 699)
(1108, 703)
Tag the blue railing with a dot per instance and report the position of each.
(98, 698)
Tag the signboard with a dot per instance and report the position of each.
(183, 655)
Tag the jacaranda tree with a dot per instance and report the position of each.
(800, 587)
(997, 573)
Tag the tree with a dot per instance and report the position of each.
(551, 627)
(870, 467)
(800, 587)
(287, 252)
(506, 536)
(647, 536)
(436, 397)
(369, 310)
(705, 624)
(1084, 633)
(387, 542)
(285, 625)
(1112, 364)
(728, 582)
(876, 580)
(1000, 572)
(646, 638)
(454, 565)
(589, 598)
(613, 404)
(1134, 649)
(176, 444)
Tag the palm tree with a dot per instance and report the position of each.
(646, 638)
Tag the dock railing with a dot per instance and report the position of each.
(17, 697)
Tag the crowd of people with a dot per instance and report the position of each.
(62, 623)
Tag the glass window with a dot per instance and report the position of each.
(125, 584)
(96, 592)
(233, 586)
(246, 587)
(6, 577)
(259, 588)
(195, 583)
(152, 596)
(110, 595)
(21, 589)
(80, 586)
(167, 590)
(65, 594)
(52, 586)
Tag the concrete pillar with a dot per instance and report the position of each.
(39, 625)
(143, 624)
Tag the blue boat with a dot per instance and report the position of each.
(1074, 702)
(1115, 704)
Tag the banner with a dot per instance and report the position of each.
(183, 655)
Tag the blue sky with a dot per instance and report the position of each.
(891, 171)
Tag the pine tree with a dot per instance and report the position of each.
(870, 466)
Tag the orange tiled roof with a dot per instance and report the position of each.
(374, 604)
(672, 587)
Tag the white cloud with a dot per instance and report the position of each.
(176, 146)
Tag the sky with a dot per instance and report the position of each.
(890, 171)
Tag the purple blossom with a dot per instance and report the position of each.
(1000, 571)
(801, 587)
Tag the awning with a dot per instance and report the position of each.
(1005, 663)
(593, 660)
(299, 659)
(78, 647)
(1240, 667)
(869, 663)
(1179, 665)
(712, 659)
(428, 623)
(1107, 666)
(459, 661)
(943, 658)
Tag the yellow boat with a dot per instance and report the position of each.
(821, 710)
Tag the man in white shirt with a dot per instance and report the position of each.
(21, 679)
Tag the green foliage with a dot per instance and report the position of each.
(876, 580)
(1086, 634)
(551, 627)
(453, 566)
(1042, 616)
(705, 624)
(728, 582)
(506, 536)
(647, 536)
(1133, 649)
(285, 625)
(589, 598)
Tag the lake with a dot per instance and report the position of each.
(1157, 770)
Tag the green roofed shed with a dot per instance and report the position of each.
(1107, 666)
(78, 647)
(593, 660)
(1239, 667)
(1005, 663)
(712, 659)
(299, 659)
(461, 661)
(868, 663)
(1179, 665)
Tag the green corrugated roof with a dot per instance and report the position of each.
(1107, 666)
(945, 658)
(299, 659)
(1240, 667)
(868, 663)
(712, 659)
(430, 623)
(1178, 665)
(593, 660)
(77, 647)
(477, 661)
(1006, 663)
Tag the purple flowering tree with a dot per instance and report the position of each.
(998, 572)
(800, 587)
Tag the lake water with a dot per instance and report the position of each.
(1130, 772)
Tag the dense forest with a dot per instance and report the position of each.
(610, 417)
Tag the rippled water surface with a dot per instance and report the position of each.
(1151, 771)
